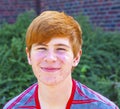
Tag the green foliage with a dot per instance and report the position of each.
(99, 66)
(15, 73)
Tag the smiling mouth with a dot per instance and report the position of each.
(50, 69)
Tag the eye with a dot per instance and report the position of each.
(42, 48)
(61, 49)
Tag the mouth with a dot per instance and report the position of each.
(50, 69)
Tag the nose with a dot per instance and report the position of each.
(50, 57)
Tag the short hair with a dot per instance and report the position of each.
(52, 24)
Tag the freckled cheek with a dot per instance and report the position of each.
(64, 58)
(38, 56)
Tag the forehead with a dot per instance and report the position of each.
(57, 42)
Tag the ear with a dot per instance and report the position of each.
(28, 56)
(77, 58)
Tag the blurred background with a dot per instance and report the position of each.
(99, 67)
(102, 13)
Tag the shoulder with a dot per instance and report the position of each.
(22, 98)
(92, 98)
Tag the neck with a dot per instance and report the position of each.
(56, 96)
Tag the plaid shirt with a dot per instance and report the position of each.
(81, 98)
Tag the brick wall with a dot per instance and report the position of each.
(102, 13)
(9, 9)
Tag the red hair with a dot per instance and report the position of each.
(52, 24)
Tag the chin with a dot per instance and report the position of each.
(52, 82)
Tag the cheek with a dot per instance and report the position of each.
(65, 58)
(37, 56)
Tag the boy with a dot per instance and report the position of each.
(54, 48)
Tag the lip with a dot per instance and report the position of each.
(50, 69)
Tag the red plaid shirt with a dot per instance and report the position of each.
(81, 98)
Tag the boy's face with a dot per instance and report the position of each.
(52, 62)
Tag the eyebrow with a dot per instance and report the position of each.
(59, 44)
(64, 45)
